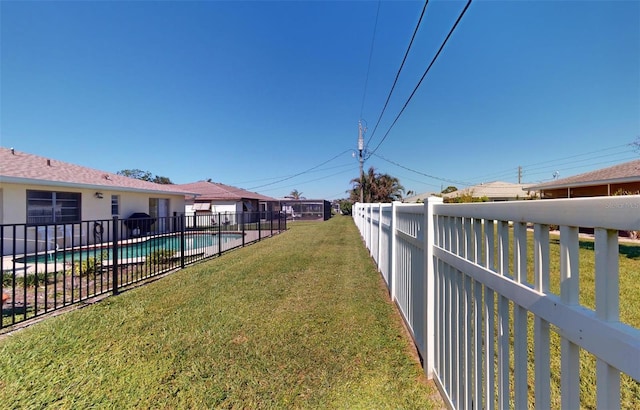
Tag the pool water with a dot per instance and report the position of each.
(135, 250)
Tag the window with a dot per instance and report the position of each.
(115, 205)
(52, 207)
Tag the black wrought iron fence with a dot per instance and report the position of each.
(51, 266)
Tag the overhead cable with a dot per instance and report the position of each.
(301, 173)
(453, 181)
(302, 183)
(595, 163)
(415, 31)
(423, 75)
(558, 162)
(366, 81)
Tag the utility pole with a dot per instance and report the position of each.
(361, 158)
(519, 174)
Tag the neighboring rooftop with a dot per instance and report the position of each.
(621, 173)
(214, 191)
(23, 168)
(419, 197)
(494, 191)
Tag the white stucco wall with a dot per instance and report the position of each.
(14, 202)
(13, 209)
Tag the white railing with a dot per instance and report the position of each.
(476, 311)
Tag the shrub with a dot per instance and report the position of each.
(28, 281)
(90, 266)
(159, 257)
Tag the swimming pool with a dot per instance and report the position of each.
(192, 242)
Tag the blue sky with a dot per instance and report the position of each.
(267, 95)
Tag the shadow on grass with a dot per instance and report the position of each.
(17, 310)
(9, 315)
(630, 251)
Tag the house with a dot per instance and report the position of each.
(623, 177)
(38, 191)
(419, 198)
(306, 209)
(495, 191)
(218, 203)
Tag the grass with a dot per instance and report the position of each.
(629, 277)
(301, 320)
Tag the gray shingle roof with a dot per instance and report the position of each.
(24, 168)
(214, 191)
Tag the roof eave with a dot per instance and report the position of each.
(544, 187)
(33, 181)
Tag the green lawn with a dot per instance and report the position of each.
(629, 268)
(301, 320)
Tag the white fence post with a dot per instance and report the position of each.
(479, 357)
(607, 309)
(430, 286)
(392, 258)
(369, 226)
(379, 255)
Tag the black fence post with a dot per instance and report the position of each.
(259, 228)
(244, 219)
(182, 244)
(271, 221)
(114, 255)
(219, 235)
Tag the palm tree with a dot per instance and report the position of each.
(295, 194)
(388, 188)
(376, 187)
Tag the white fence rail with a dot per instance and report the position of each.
(492, 331)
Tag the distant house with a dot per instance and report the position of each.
(36, 190)
(602, 182)
(306, 209)
(419, 198)
(222, 203)
(493, 192)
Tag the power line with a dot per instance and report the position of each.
(553, 163)
(415, 31)
(424, 75)
(287, 176)
(582, 166)
(453, 181)
(512, 171)
(308, 181)
(373, 38)
(579, 160)
(579, 155)
(301, 173)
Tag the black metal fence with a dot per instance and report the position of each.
(47, 267)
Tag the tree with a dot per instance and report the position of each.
(376, 188)
(136, 173)
(295, 194)
(449, 189)
(144, 176)
(346, 207)
(161, 180)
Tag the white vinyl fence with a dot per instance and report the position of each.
(486, 325)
